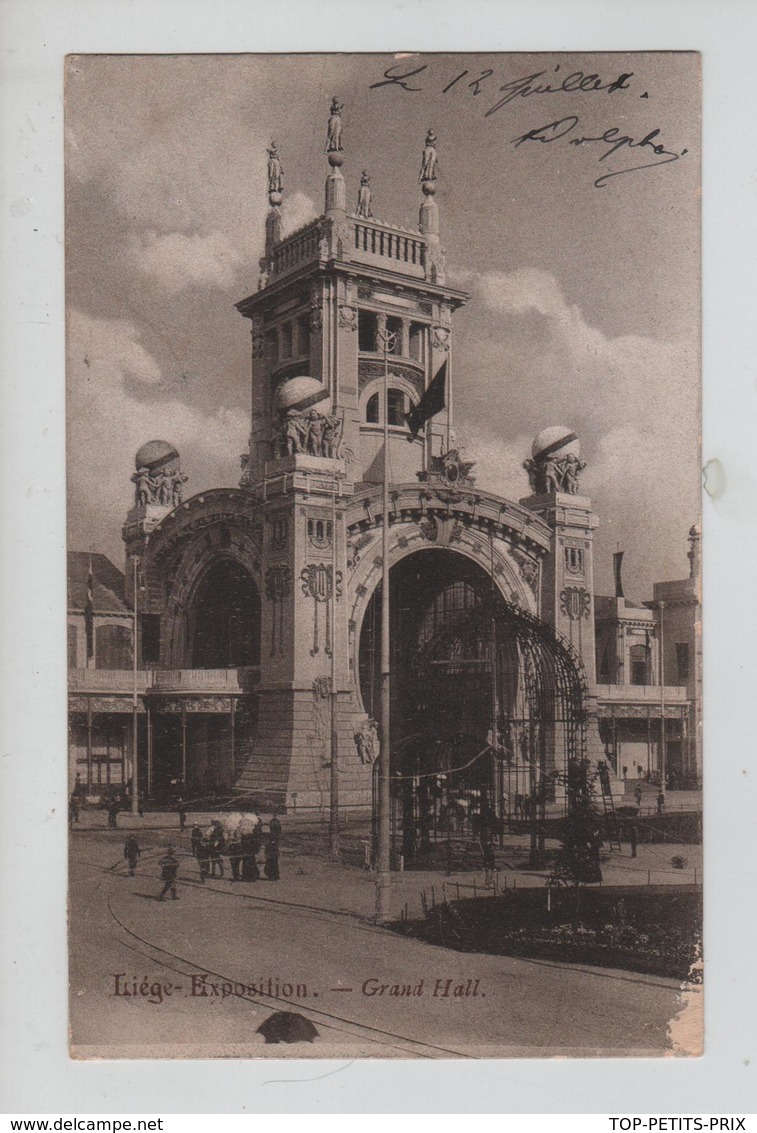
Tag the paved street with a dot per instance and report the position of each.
(234, 953)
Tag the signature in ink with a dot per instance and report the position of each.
(576, 81)
(612, 138)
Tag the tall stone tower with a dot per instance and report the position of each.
(327, 294)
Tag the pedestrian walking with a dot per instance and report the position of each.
(661, 802)
(637, 794)
(169, 871)
(203, 857)
(132, 852)
(217, 847)
(73, 810)
(634, 833)
(196, 839)
(486, 842)
(271, 867)
(182, 809)
(113, 809)
(234, 853)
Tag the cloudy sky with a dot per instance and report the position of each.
(584, 297)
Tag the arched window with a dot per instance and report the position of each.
(372, 410)
(398, 403)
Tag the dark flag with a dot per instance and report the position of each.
(89, 613)
(432, 402)
(617, 562)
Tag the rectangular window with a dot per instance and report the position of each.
(682, 659)
(286, 340)
(150, 639)
(73, 641)
(397, 401)
(394, 326)
(367, 327)
(416, 341)
(303, 338)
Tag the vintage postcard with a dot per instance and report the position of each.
(384, 555)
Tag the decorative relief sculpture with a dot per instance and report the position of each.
(310, 432)
(367, 741)
(316, 317)
(429, 159)
(334, 139)
(165, 488)
(451, 467)
(245, 480)
(554, 474)
(318, 582)
(277, 582)
(575, 602)
(440, 337)
(354, 547)
(429, 528)
(258, 346)
(347, 317)
(364, 196)
(528, 568)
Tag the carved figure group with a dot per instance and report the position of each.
(364, 196)
(334, 139)
(555, 474)
(366, 741)
(311, 432)
(166, 487)
(275, 172)
(429, 159)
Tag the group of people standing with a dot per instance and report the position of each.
(241, 844)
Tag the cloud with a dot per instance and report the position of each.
(177, 261)
(298, 209)
(632, 399)
(114, 405)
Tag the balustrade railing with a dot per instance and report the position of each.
(393, 245)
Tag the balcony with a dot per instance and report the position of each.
(223, 682)
(205, 681)
(642, 694)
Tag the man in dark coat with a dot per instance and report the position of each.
(234, 851)
(131, 852)
(203, 857)
(196, 839)
(271, 867)
(181, 807)
(217, 846)
(113, 809)
(169, 871)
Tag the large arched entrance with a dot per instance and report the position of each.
(461, 659)
(225, 618)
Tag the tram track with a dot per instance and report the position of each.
(377, 1036)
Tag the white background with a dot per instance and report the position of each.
(35, 1073)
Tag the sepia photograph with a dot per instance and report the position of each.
(384, 555)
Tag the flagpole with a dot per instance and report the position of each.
(383, 862)
(334, 794)
(134, 699)
(449, 392)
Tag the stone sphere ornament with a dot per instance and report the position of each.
(155, 455)
(275, 199)
(557, 441)
(335, 159)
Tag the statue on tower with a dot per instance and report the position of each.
(429, 159)
(275, 172)
(364, 196)
(334, 140)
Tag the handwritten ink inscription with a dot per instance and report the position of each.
(567, 129)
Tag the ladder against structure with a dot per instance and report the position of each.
(612, 825)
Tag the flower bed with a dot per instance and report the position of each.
(640, 929)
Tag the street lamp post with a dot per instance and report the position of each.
(334, 794)
(383, 862)
(663, 736)
(134, 696)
